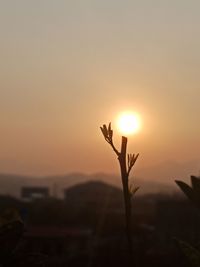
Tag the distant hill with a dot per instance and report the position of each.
(94, 192)
(154, 179)
(11, 184)
(168, 171)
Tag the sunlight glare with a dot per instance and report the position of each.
(128, 123)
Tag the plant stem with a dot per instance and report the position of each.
(127, 196)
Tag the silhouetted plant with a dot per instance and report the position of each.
(126, 162)
(193, 193)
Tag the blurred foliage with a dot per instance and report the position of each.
(11, 232)
(193, 193)
(192, 254)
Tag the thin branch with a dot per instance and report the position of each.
(108, 135)
(114, 148)
(131, 161)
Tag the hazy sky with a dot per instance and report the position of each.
(68, 66)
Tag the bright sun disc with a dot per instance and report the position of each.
(129, 123)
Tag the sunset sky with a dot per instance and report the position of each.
(68, 66)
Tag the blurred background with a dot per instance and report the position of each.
(67, 67)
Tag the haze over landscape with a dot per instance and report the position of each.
(67, 67)
(99, 133)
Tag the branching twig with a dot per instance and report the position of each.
(126, 164)
(108, 135)
(131, 161)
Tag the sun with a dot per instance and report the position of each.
(128, 123)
